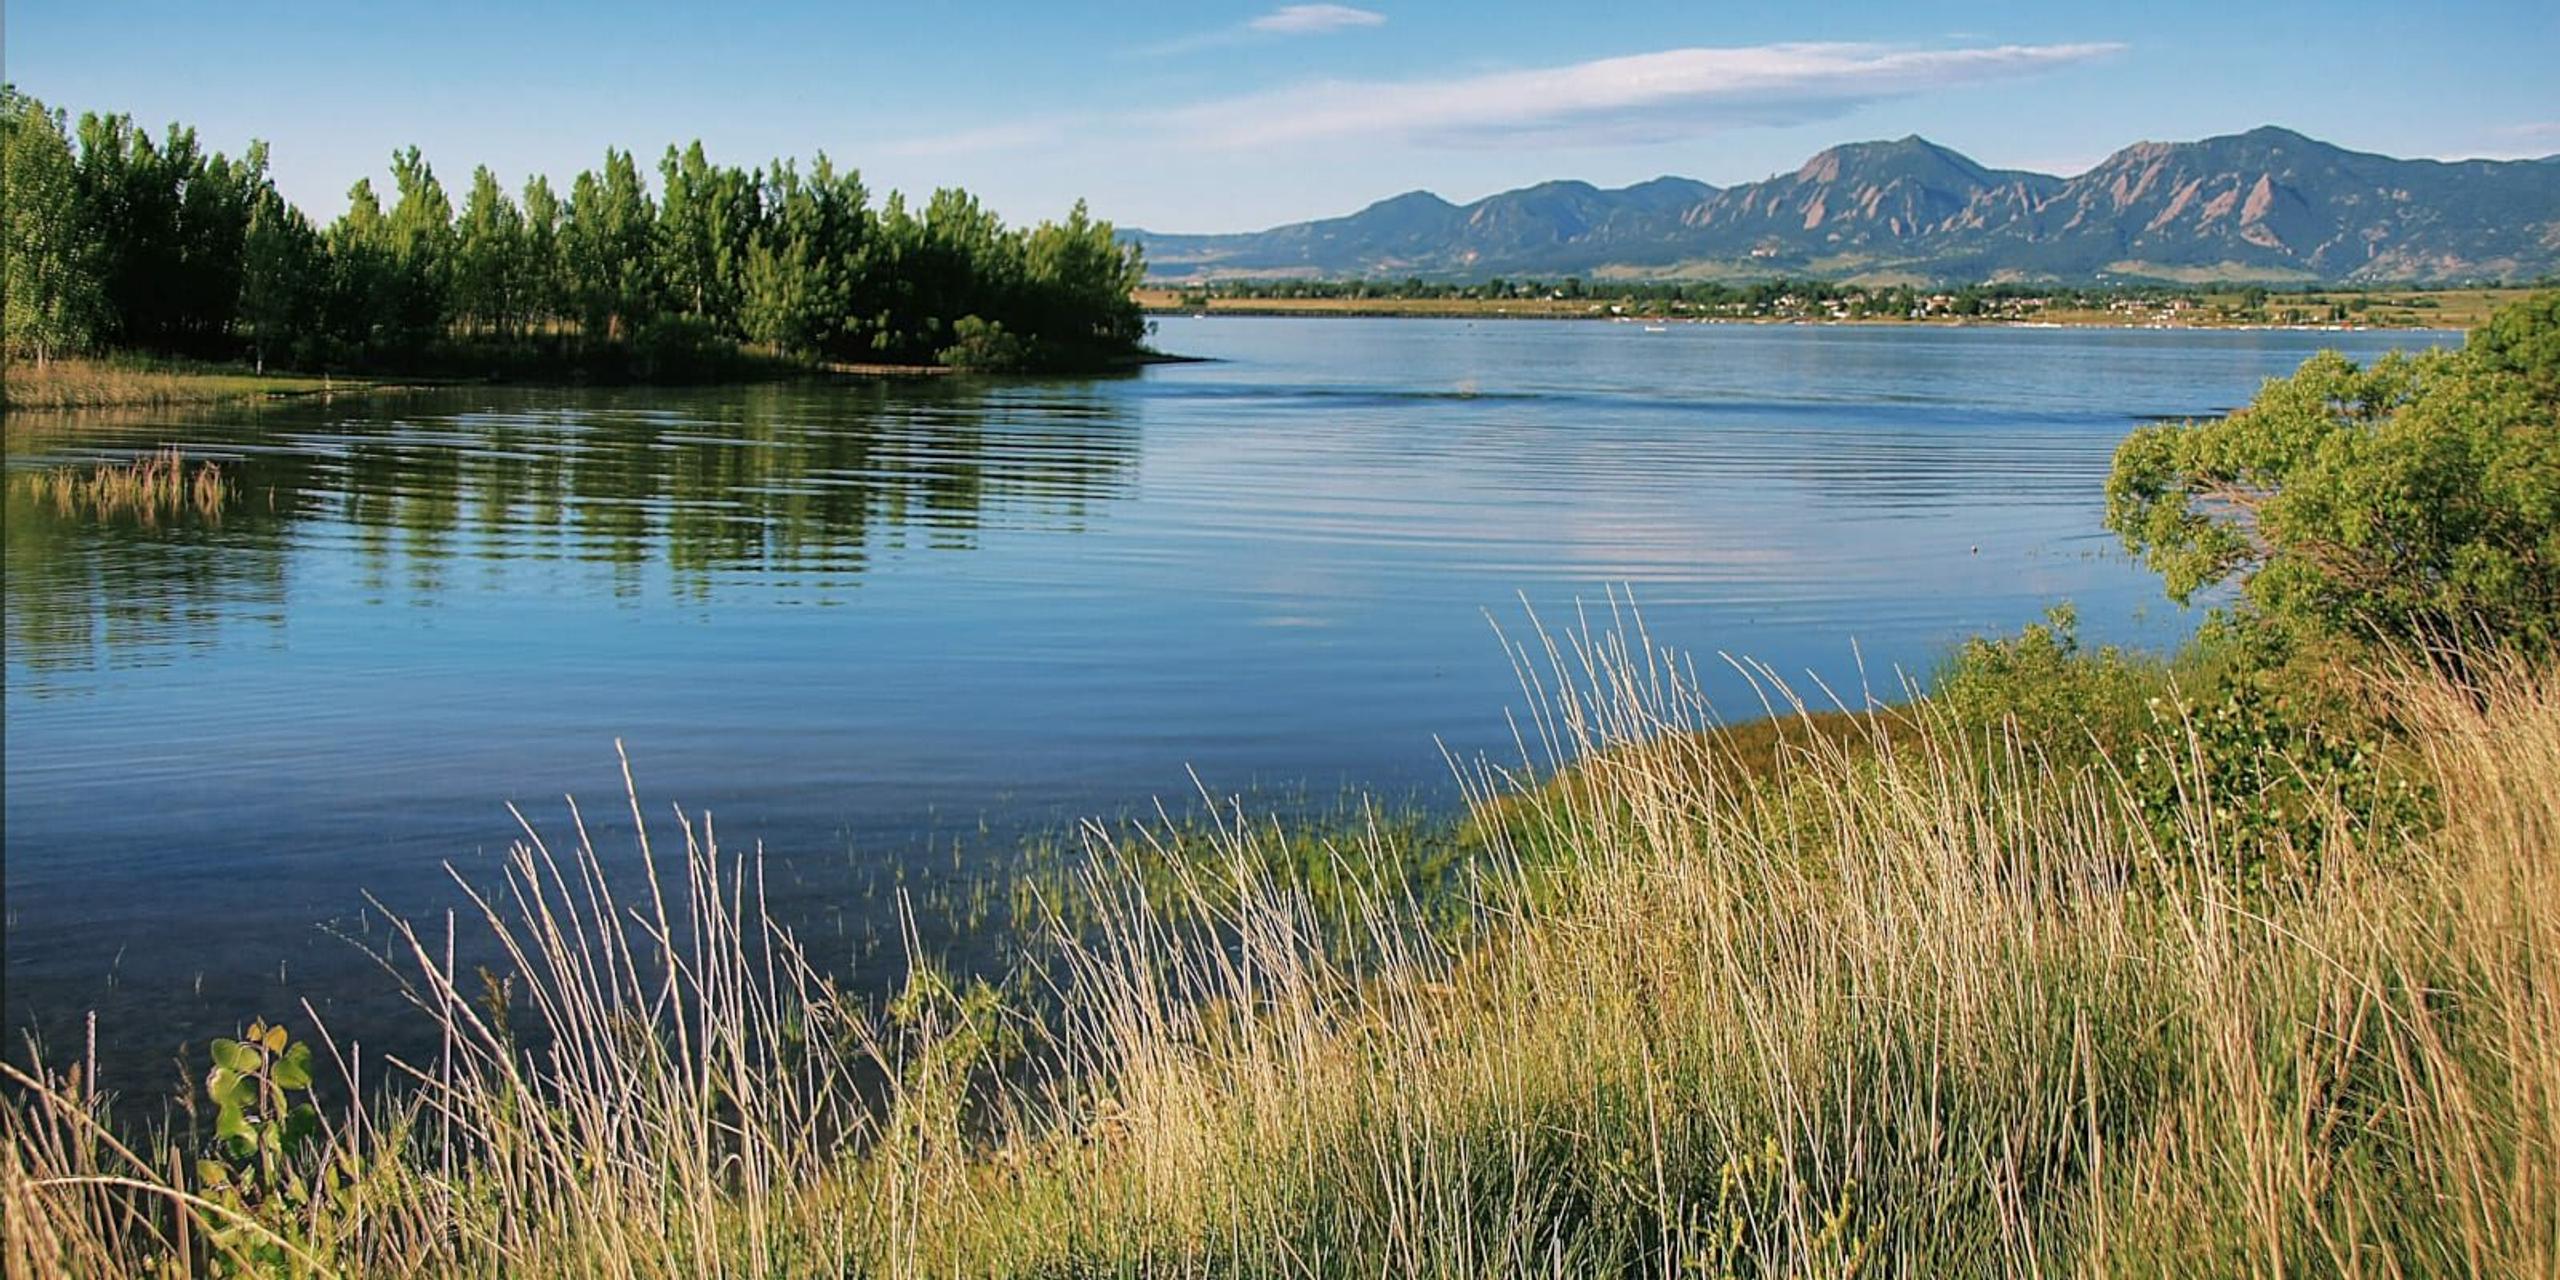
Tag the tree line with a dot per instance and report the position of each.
(2301, 303)
(116, 240)
(1705, 293)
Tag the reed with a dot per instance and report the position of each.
(1910, 996)
(157, 486)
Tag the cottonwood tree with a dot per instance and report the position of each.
(488, 258)
(608, 245)
(283, 273)
(2413, 499)
(55, 297)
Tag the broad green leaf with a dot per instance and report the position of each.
(299, 1124)
(293, 1070)
(230, 1090)
(234, 1055)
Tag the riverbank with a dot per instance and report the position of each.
(79, 384)
(1916, 993)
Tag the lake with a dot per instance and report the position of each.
(897, 627)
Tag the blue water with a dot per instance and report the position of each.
(895, 627)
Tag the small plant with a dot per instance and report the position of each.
(260, 1166)
(1746, 1225)
(954, 1036)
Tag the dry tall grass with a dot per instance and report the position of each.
(75, 383)
(1915, 1003)
(156, 486)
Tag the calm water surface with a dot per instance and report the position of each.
(891, 627)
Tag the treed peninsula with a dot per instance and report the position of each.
(194, 277)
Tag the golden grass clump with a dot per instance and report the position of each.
(1917, 1000)
(157, 486)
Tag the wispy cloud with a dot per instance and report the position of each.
(1287, 20)
(1641, 98)
(1646, 97)
(1315, 19)
(2529, 140)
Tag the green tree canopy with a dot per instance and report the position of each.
(118, 238)
(2417, 498)
(56, 296)
(488, 258)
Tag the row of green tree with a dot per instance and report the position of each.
(118, 241)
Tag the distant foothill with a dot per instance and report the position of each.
(2269, 205)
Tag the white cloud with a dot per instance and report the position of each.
(1287, 20)
(1315, 19)
(1646, 97)
(1671, 95)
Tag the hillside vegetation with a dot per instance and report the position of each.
(2233, 961)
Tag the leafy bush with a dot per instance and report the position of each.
(2045, 685)
(2261, 772)
(2416, 499)
(983, 345)
(680, 349)
(2238, 749)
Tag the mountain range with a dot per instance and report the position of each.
(2268, 205)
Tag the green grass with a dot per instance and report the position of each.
(1909, 991)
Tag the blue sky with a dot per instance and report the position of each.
(1215, 116)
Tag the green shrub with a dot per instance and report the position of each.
(680, 349)
(2045, 686)
(2413, 500)
(2241, 748)
(983, 345)
(2273, 770)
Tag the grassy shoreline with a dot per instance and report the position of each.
(1894, 995)
(73, 384)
